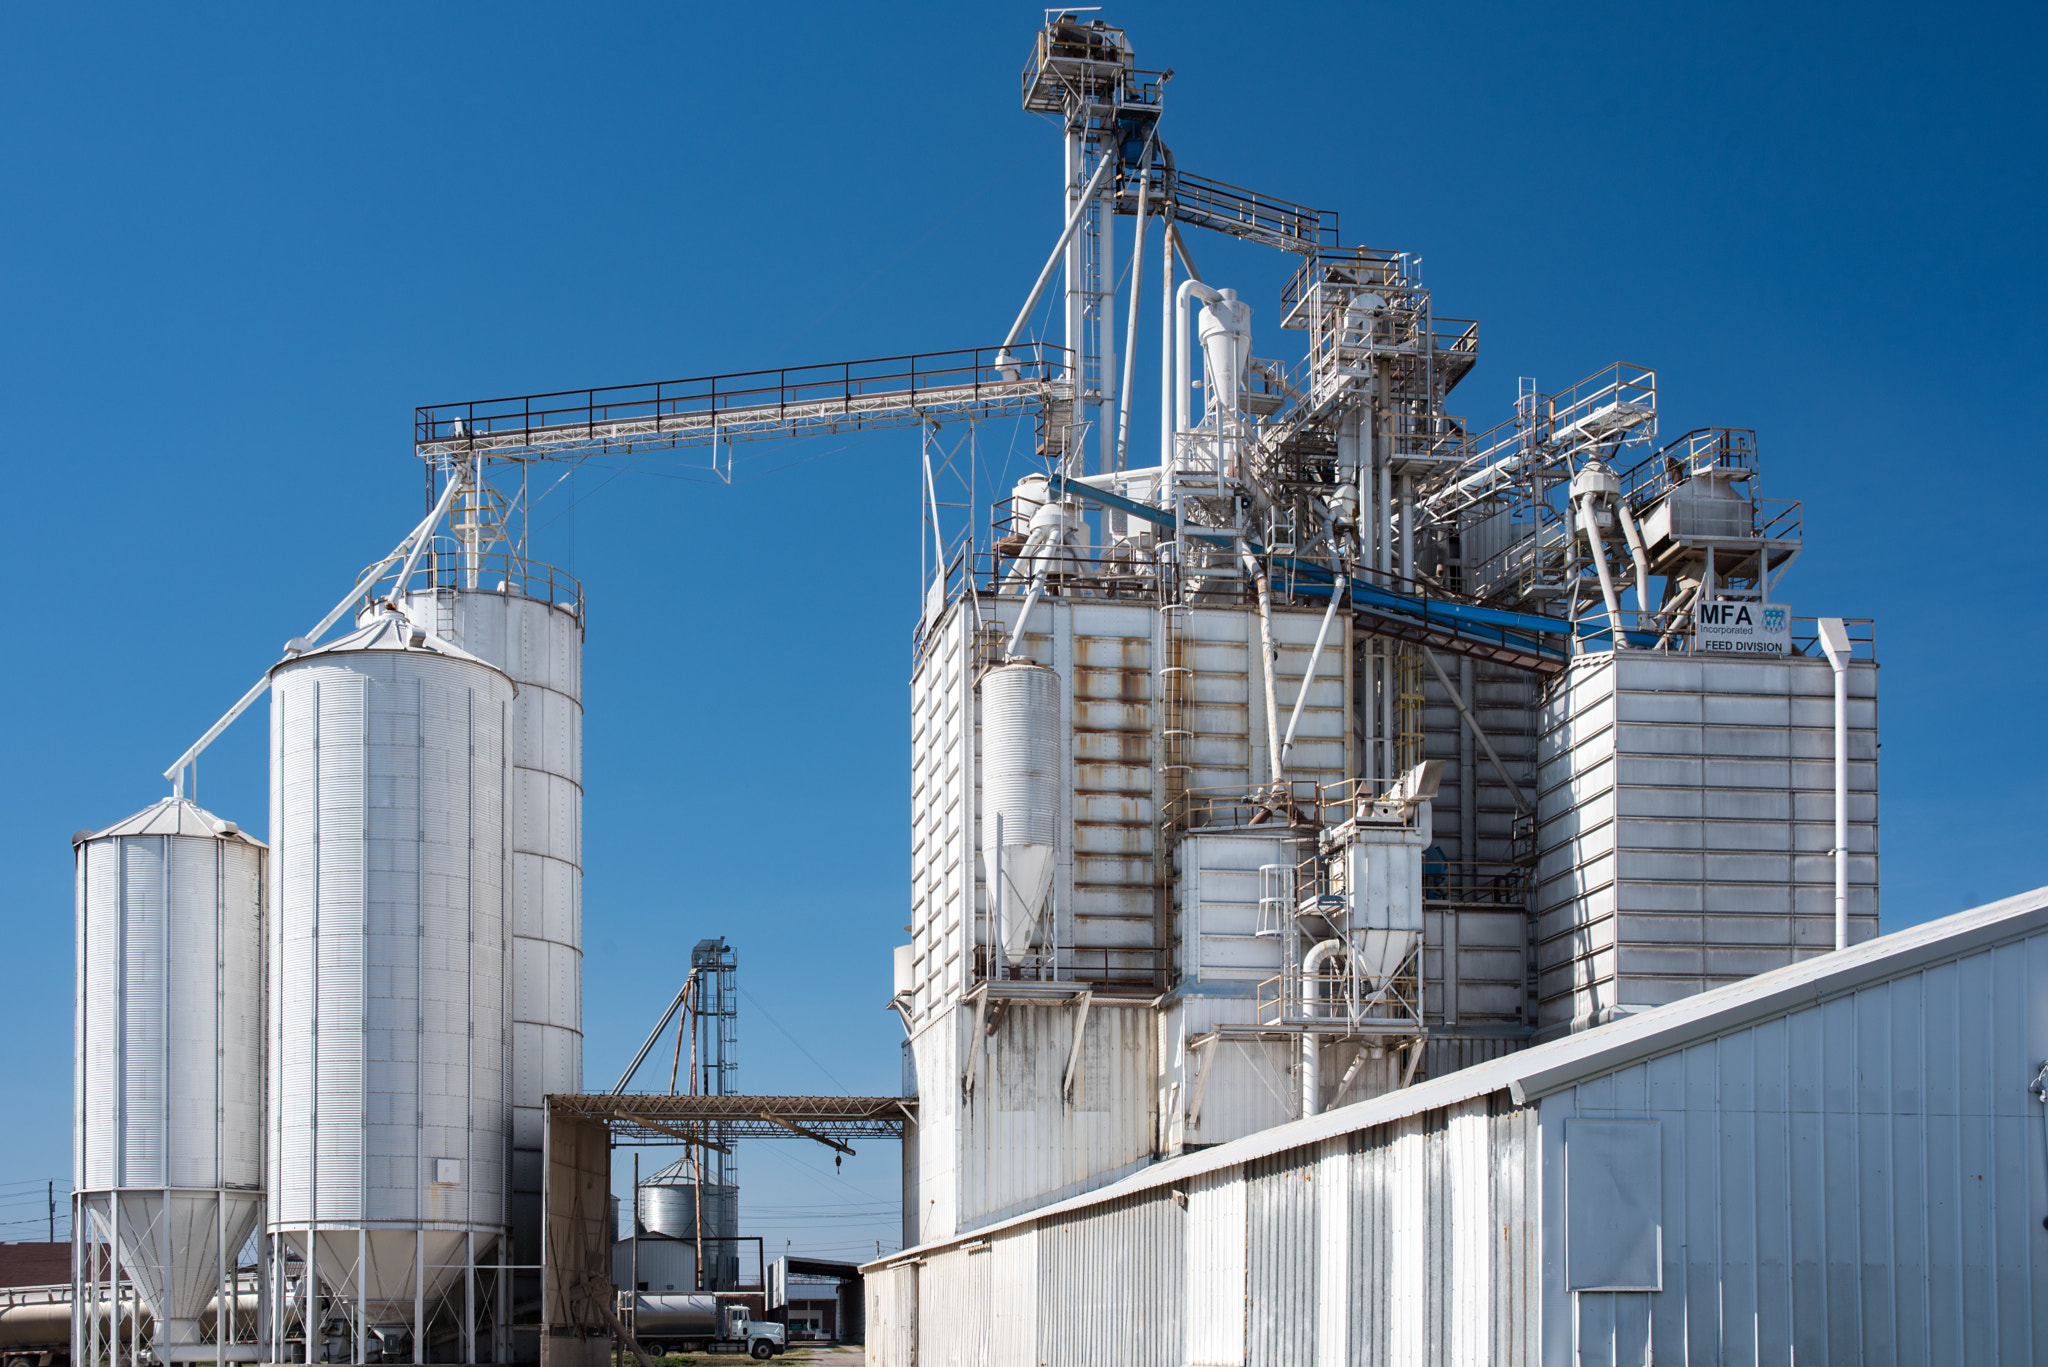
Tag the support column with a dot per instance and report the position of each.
(1104, 293)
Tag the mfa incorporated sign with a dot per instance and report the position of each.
(1743, 629)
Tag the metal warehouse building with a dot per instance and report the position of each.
(1844, 1160)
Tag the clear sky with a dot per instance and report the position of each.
(239, 244)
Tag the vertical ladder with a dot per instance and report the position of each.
(1407, 709)
(1176, 688)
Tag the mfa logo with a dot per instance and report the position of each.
(1741, 628)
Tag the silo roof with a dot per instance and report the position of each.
(175, 816)
(389, 631)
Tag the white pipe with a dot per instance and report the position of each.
(1642, 560)
(1258, 571)
(417, 538)
(1314, 656)
(1676, 613)
(1311, 1042)
(1123, 419)
(1166, 307)
(1030, 602)
(1104, 297)
(1051, 263)
(1408, 532)
(1390, 678)
(1183, 378)
(1834, 639)
(1386, 510)
(1607, 594)
(1073, 335)
(457, 478)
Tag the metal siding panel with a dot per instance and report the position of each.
(1281, 1242)
(1214, 1277)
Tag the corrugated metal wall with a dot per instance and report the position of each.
(1443, 1254)
(1859, 1181)
(1108, 1283)
(1280, 1257)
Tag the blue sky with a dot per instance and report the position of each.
(239, 244)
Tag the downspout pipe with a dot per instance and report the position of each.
(1003, 360)
(1024, 617)
(1123, 418)
(1834, 639)
(1257, 570)
(1634, 535)
(1314, 657)
(1312, 1043)
(1588, 519)
(1183, 380)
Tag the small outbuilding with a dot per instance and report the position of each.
(1841, 1161)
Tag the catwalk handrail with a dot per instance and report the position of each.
(885, 391)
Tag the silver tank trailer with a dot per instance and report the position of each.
(169, 1058)
(389, 1122)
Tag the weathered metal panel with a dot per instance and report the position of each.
(1281, 1244)
(954, 1288)
(1214, 1298)
(1442, 1243)
(1013, 1300)
(576, 1286)
(1244, 1083)
(1024, 1139)
(892, 1315)
(1859, 1180)
(1110, 1280)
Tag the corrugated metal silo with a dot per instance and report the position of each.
(169, 1056)
(527, 620)
(389, 1121)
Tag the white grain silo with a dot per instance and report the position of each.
(527, 620)
(169, 1064)
(1020, 705)
(389, 1125)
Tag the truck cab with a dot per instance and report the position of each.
(763, 1340)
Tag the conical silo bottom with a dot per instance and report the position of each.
(393, 1256)
(194, 1245)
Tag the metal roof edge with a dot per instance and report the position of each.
(1546, 1068)
(1562, 1063)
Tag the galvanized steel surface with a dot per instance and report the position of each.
(1861, 1179)
(170, 1048)
(668, 1208)
(1685, 824)
(1020, 754)
(389, 953)
(540, 646)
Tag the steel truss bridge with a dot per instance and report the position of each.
(716, 411)
(636, 1118)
